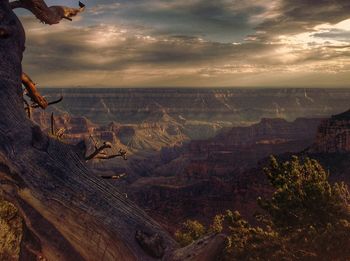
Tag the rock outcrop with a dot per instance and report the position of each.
(271, 131)
(333, 135)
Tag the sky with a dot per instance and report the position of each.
(192, 43)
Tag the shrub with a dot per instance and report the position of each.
(191, 231)
(307, 218)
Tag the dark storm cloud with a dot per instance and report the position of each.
(77, 49)
(221, 20)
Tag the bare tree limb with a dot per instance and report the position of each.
(29, 107)
(98, 150)
(32, 92)
(48, 15)
(100, 154)
(121, 153)
(34, 106)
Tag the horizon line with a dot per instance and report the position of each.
(190, 87)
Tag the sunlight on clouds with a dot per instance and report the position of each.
(319, 43)
(270, 10)
(318, 36)
(343, 25)
(286, 54)
(106, 35)
(142, 48)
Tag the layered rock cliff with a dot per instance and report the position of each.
(333, 135)
(207, 177)
(173, 180)
(237, 105)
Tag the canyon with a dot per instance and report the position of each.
(187, 161)
(180, 169)
(235, 106)
(173, 176)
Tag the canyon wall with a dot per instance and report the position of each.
(333, 135)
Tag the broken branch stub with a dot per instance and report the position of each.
(53, 130)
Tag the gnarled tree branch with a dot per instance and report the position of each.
(32, 92)
(100, 154)
(98, 150)
(35, 106)
(48, 15)
(30, 107)
(121, 153)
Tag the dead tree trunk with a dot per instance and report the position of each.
(75, 215)
(69, 213)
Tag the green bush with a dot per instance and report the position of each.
(306, 218)
(191, 231)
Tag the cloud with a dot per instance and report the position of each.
(194, 43)
(101, 9)
(293, 16)
(221, 20)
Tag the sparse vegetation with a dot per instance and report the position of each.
(307, 218)
(10, 231)
(191, 231)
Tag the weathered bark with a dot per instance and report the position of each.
(69, 213)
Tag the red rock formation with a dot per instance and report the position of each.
(333, 135)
